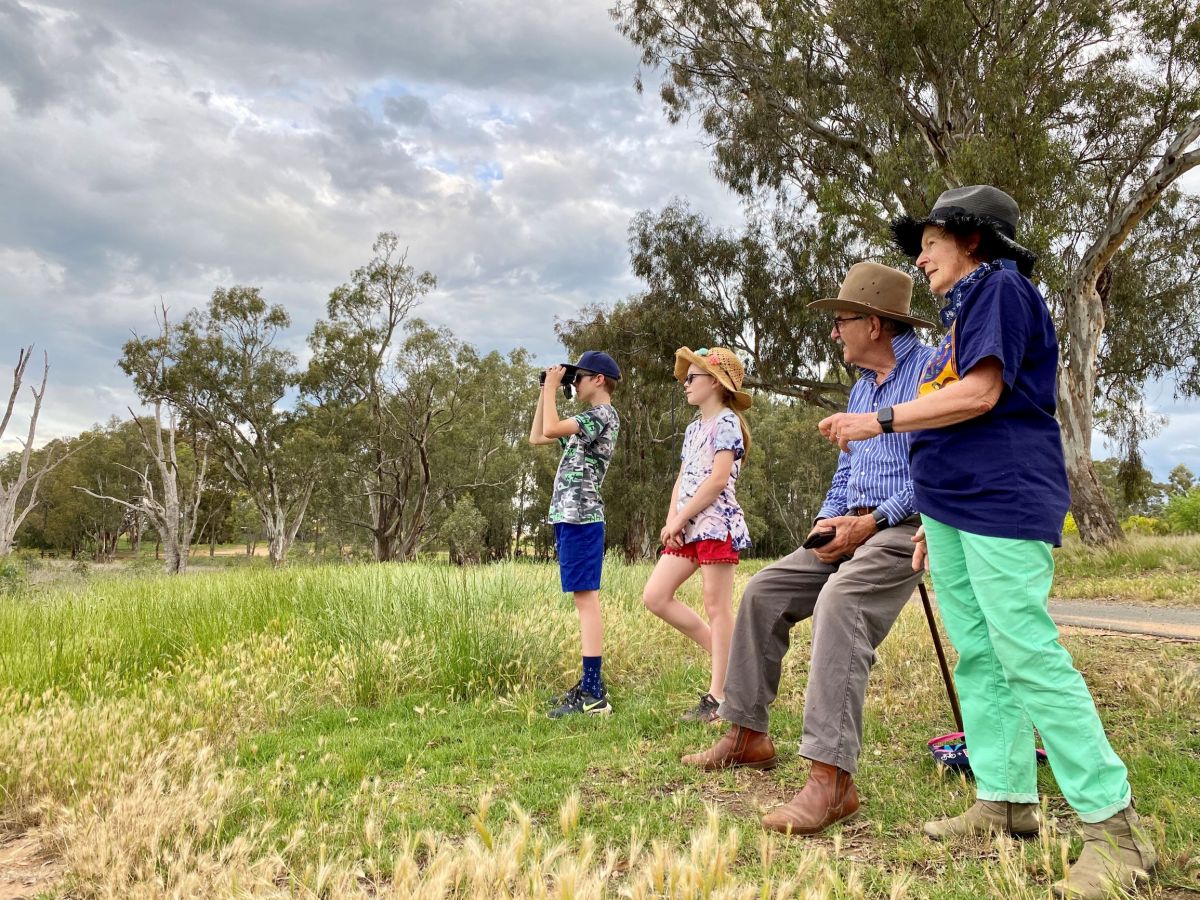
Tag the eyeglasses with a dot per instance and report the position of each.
(838, 322)
(694, 375)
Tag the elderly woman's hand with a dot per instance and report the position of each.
(842, 428)
(920, 558)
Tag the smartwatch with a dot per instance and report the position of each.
(886, 417)
(880, 517)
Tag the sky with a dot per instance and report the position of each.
(152, 151)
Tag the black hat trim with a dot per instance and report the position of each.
(996, 239)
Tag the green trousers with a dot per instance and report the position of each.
(1013, 674)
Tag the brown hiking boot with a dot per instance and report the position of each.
(1117, 854)
(827, 797)
(1019, 820)
(738, 747)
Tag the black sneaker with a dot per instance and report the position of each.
(560, 699)
(580, 701)
(705, 711)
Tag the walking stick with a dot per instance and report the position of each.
(941, 655)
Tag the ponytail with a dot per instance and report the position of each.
(745, 429)
(740, 417)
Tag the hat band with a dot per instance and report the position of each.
(941, 213)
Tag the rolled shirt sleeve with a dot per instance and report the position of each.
(900, 506)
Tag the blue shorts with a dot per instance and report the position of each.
(580, 555)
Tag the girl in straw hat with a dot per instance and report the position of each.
(705, 527)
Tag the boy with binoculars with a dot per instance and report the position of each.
(576, 507)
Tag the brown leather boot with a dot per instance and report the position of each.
(827, 797)
(738, 747)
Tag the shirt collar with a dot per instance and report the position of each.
(954, 298)
(902, 345)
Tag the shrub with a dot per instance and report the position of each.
(1069, 526)
(463, 531)
(1183, 512)
(30, 559)
(12, 578)
(1145, 525)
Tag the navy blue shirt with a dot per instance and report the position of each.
(1001, 474)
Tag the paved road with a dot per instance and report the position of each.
(1157, 621)
(1173, 623)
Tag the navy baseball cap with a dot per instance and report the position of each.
(600, 363)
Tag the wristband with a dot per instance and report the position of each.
(886, 417)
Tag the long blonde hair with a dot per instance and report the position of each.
(727, 399)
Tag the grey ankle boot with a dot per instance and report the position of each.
(988, 817)
(1117, 854)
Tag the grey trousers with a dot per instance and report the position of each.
(853, 605)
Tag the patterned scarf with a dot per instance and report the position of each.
(954, 299)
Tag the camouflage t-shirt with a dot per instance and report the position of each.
(585, 459)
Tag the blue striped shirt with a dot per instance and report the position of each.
(875, 472)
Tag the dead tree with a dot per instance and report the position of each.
(19, 495)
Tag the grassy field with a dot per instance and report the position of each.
(1163, 571)
(332, 731)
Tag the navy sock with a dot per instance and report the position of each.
(592, 682)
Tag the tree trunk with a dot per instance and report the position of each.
(277, 540)
(383, 545)
(11, 515)
(174, 562)
(1085, 324)
(1090, 505)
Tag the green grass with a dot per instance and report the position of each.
(330, 730)
(1163, 571)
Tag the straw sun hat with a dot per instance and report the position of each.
(719, 362)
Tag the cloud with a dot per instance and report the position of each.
(47, 56)
(154, 151)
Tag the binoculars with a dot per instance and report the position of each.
(568, 382)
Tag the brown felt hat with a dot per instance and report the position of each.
(722, 364)
(876, 290)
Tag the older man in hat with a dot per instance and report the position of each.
(852, 576)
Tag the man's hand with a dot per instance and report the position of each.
(921, 551)
(852, 533)
(842, 428)
(554, 377)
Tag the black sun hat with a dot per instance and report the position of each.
(980, 207)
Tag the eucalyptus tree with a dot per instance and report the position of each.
(1086, 111)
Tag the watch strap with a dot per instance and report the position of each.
(886, 417)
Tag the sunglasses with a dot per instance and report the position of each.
(694, 375)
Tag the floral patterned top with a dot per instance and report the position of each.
(723, 517)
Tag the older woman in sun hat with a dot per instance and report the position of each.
(991, 484)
